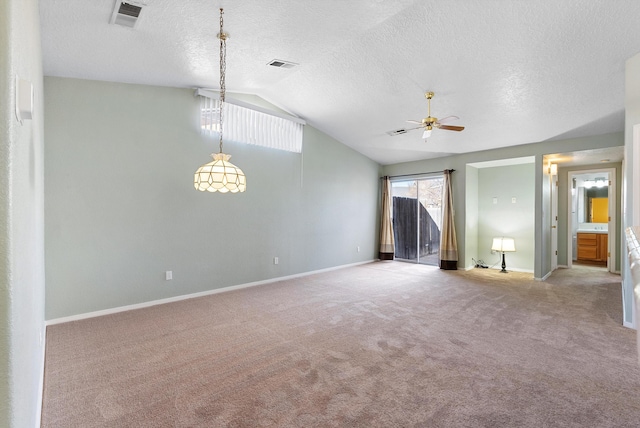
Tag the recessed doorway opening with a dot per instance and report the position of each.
(591, 219)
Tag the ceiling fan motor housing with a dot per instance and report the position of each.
(429, 121)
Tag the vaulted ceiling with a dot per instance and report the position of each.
(513, 71)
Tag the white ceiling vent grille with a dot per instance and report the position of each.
(397, 132)
(126, 13)
(281, 64)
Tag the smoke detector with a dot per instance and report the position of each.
(281, 64)
(126, 13)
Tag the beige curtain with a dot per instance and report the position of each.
(387, 244)
(448, 244)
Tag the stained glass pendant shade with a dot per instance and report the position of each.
(220, 176)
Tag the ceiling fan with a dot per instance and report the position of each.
(428, 123)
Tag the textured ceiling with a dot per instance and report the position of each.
(514, 71)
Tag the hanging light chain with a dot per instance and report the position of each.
(223, 70)
(220, 175)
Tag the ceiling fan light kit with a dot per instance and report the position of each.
(430, 122)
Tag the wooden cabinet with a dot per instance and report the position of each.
(603, 247)
(587, 246)
(593, 247)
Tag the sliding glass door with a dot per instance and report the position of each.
(417, 218)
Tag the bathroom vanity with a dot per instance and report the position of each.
(593, 246)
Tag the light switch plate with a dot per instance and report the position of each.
(24, 100)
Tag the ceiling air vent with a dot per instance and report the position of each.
(397, 132)
(281, 64)
(126, 13)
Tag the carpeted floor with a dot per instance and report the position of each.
(385, 344)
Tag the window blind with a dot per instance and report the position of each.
(247, 124)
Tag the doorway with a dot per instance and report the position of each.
(591, 218)
(417, 219)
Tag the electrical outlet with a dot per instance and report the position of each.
(358, 248)
(275, 260)
(513, 200)
(168, 275)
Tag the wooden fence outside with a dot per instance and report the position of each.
(405, 224)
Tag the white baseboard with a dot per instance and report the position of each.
(193, 295)
(512, 269)
(544, 278)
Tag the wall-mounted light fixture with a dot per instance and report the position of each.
(599, 182)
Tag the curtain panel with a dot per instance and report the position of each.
(448, 243)
(387, 243)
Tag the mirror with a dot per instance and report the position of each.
(592, 201)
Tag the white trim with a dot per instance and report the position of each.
(504, 162)
(40, 398)
(193, 295)
(554, 180)
(635, 175)
(544, 278)
(614, 205)
(510, 269)
(216, 96)
(625, 323)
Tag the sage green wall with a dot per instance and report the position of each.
(121, 208)
(542, 265)
(563, 210)
(21, 220)
(631, 193)
(504, 218)
(471, 217)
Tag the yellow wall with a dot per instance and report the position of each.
(600, 210)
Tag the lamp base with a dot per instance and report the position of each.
(504, 265)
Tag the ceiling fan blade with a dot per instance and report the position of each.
(419, 122)
(417, 127)
(448, 119)
(451, 128)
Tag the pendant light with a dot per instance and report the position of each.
(220, 175)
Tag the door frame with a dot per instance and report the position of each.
(417, 178)
(554, 221)
(613, 213)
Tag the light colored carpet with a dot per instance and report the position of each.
(385, 344)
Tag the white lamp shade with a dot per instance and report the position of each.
(426, 134)
(503, 244)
